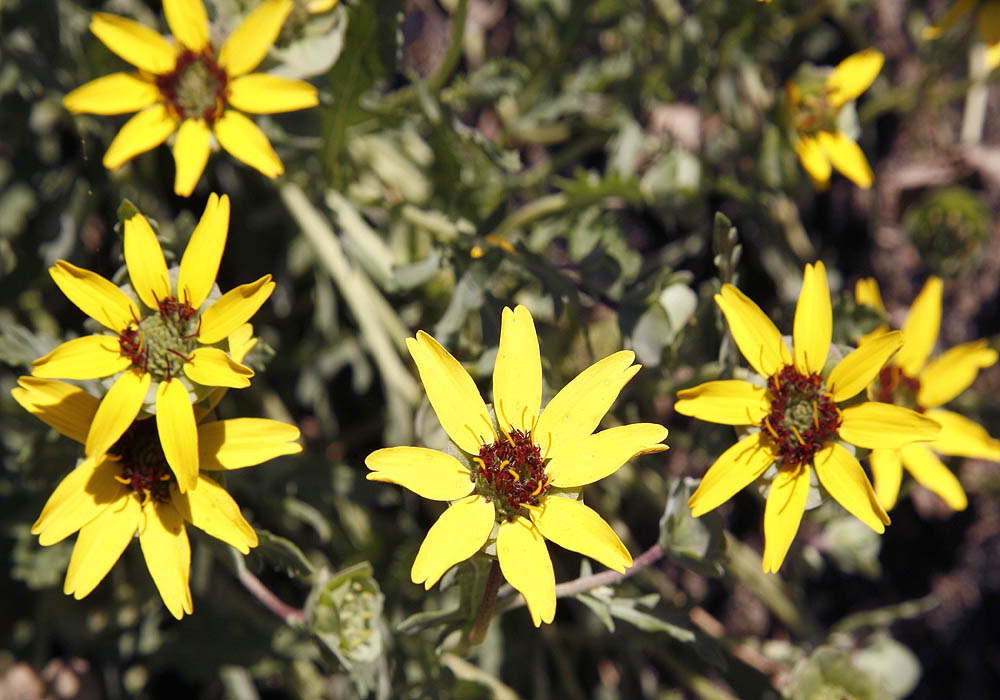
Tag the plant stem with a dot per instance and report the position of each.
(267, 598)
(581, 585)
(486, 607)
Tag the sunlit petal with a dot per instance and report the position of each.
(458, 534)
(525, 563)
(596, 456)
(118, 409)
(859, 369)
(953, 372)
(962, 437)
(147, 267)
(853, 76)
(79, 498)
(866, 293)
(929, 471)
(200, 263)
(813, 321)
(214, 367)
(920, 332)
(178, 432)
(988, 24)
(118, 93)
(727, 401)
(233, 309)
(188, 23)
(873, 424)
(87, 357)
(143, 132)
(165, 546)
(99, 545)
(452, 394)
(847, 157)
(135, 42)
(517, 374)
(756, 336)
(574, 526)
(67, 408)
(887, 470)
(210, 508)
(786, 502)
(262, 93)
(428, 473)
(95, 296)
(191, 151)
(844, 479)
(814, 160)
(740, 465)
(244, 442)
(577, 409)
(247, 46)
(244, 141)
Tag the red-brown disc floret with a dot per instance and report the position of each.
(142, 466)
(197, 87)
(511, 474)
(897, 387)
(802, 417)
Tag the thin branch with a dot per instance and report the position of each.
(267, 598)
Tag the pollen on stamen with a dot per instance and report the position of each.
(802, 417)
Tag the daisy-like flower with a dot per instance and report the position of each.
(131, 490)
(798, 415)
(166, 339)
(987, 22)
(188, 87)
(914, 380)
(516, 480)
(817, 100)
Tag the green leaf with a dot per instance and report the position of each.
(279, 553)
(696, 543)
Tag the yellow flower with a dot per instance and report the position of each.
(987, 22)
(912, 379)
(799, 422)
(188, 87)
(816, 107)
(130, 490)
(168, 334)
(520, 486)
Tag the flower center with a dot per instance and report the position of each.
(197, 87)
(142, 464)
(812, 109)
(511, 474)
(161, 342)
(894, 386)
(803, 416)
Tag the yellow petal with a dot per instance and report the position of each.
(756, 336)
(428, 473)
(962, 437)
(574, 526)
(920, 332)
(241, 342)
(210, 508)
(887, 470)
(136, 43)
(525, 563)
(200, 263)
(247, 46)
(262, 93)
(517, 374)
(929, 471)
(95, 296)
(814, 160)
(188, 23)
(244, 442)
(99, 545)
(859, 369)
(786, 502)
(244, 141)
(67, 408)
(213, 367)
(813, 321)
(594, 457)
(118, 93)
(191, 151)
(873, 424)
(118, 409)
(958, 9)
(87, 357)
(452, 394)
(458, 534)
(727, 401)
(143, 132)
(178, 432)
(233, 309)
(146, 266)
(988, 24)
(853, 76)
(740, 465)
(578, 408)
(847, 157)
(844, 479)
(866, 293)
(953, 372)
(79, 498)
(165, 546)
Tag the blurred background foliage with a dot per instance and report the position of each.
(569, 155)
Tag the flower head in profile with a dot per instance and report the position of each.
(188, 87)
(130, 489)
(168, 336)
(516, 479)
(987, 23)
(914, 380)
(798, 417)
(817, 101)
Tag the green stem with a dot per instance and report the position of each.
(486, 607)
(532, 211)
